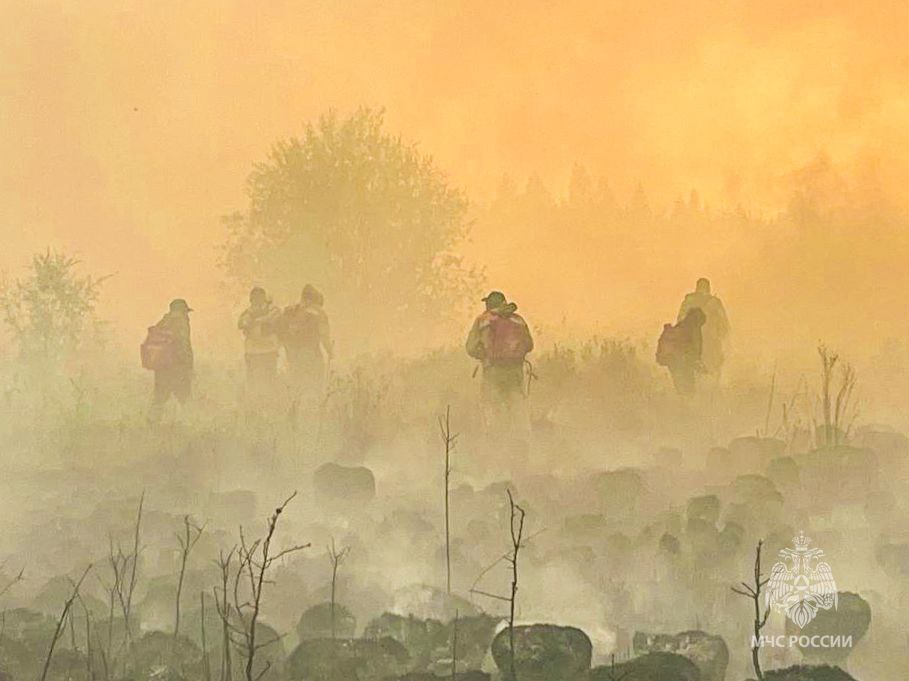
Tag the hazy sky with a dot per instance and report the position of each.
(128, 128)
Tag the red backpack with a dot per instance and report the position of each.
(506, 339)
(159, 350)
(671, 345)
(299, 327)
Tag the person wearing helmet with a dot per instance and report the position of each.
(500, 340)
(174, 369)
(259, 324)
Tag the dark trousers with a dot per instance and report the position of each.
(505, 408)
(176, 382)
(171, 382)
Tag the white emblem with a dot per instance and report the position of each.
(801, 583)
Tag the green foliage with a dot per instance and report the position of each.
(48, 311)
(362, 213)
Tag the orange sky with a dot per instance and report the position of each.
(128, 127)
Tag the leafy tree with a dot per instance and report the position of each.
(48, 311)
(360, 213)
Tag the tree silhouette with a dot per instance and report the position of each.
(353, 206)
(47, 311)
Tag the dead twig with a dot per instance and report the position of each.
(448, 441)
(12, 582)
(191, 535)
(753, 592)
(336, 557)
(240, 617)
(61, 622)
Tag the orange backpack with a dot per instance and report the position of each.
(159, 350)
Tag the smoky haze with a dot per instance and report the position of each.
(128, 130)
(591, 160)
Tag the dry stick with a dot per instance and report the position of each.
(101, 650)
(9, 585)
(843, 398)
(116, 592)
(448, 440)
(454, 647)
(505, 556)
(72, 633)
(754, 593)
(257, 593)
(89, 659)
(206, 664)
(790, 422)
(828, 362)
(112, 591)
(58, 632)
(224, 611)
(121, 563)
(517, 514)
(766, 432)
(252, 569)
(89, 654)
(103, 654)
(191, 535)
(235, 632)
(336, 558)
(15, 580)
(126, 599)
(516, 528)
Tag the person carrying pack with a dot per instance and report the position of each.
(259, 324)
(500, 339)
(679, 349)
(307, 345)
(168, 352)
(715, 332)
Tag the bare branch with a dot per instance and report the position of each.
(58, 632)
(292, 549)
(754, 594)
(191, 535)
(489, 595)
(245, 581)
(15, 580)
